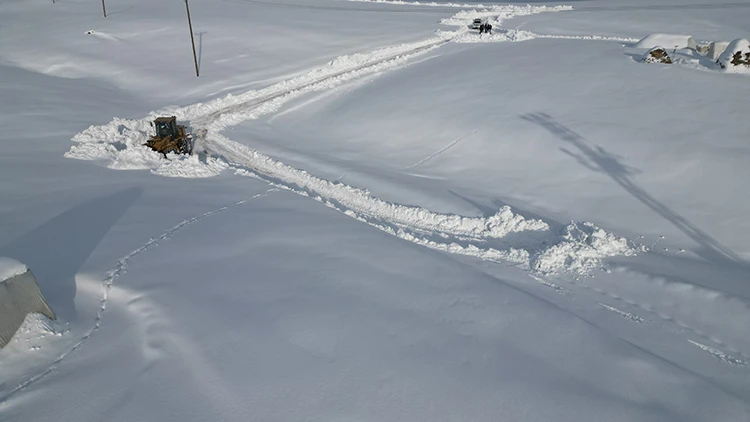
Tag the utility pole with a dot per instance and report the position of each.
(104, 8)
(192, 39)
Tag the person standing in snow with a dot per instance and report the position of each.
(481, 29)
(488, 28)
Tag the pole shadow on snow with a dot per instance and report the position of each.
(600, 160)
(57, 249)
(200, 47)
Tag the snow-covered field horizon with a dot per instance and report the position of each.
(388, 216)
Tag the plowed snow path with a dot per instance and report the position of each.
(579, 248)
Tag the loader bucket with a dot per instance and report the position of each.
(19, 296)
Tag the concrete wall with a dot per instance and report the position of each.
(19, 296)
(716, 48)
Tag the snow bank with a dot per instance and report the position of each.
(581, 249)
(736, 57)
(667, 41)
(363, 203)
(9, 267)
(120, 146)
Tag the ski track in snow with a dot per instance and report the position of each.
(435, 154)
(106, 285)
(681, 325)
(578, 249)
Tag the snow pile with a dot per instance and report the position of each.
(361, 202)
(192, 166)
(736, 57)
(582, 247)
(9, 267)
(512, 255)
(667, 40)
(120, 145)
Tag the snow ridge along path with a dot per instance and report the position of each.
(579, 248)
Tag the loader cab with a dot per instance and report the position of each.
(166, 126)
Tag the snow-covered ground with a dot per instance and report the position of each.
(389, 217)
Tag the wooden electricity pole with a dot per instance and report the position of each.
(192, 39)
(104, 9)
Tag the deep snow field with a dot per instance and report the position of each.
(387, 217)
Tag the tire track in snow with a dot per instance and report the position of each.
(106, 285)
(287, 89)
(658, 315)
(435, 154)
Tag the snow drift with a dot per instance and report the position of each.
(667, 41)
(736, 57)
